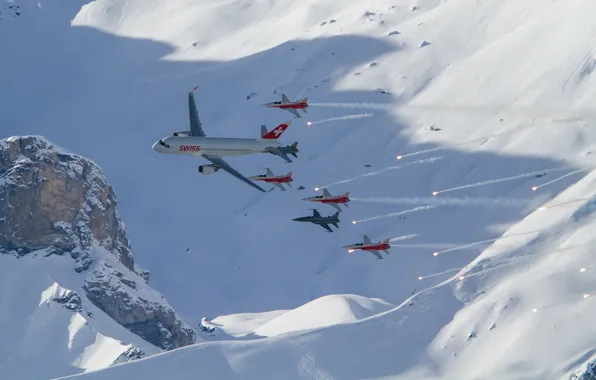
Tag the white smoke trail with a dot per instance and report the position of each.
(427, 245)
(492, 181)
(422, 152)
(557, 179)
(405, 237)
(347, 117)
(424, 161)
(420, 208)
(373, 106)
(486, 202)
(516, 129)
(562, 203)
(485, 241)
(440, 273)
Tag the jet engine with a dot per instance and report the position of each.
(182, 134)
(208, 169)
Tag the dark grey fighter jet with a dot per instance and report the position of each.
(323, 221)
(290, 149)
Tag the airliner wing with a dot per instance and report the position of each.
(196, 128)
(225, 166)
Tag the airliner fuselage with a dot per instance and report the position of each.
(218, 146)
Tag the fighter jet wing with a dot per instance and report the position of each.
(285, 99)
(326, 226)
(275, 150)
(315, 213)
(293, 111)
(269, 173)
(376, 253)
(279, 185)
(326, 193)
(196, 128)
(367, 240)
(335, 206)
(225, 166)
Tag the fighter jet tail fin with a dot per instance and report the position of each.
(294, 146)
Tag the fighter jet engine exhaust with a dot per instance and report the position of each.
(208, 169)
(339, 118)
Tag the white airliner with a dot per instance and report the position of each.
(196, 143)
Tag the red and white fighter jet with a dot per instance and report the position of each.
(371, 247)
(288, 105)
(277, 180)
(332, 200)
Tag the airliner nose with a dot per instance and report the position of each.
(154, 146)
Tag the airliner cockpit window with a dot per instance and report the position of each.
(163, 144)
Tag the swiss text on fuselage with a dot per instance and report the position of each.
(189, 148)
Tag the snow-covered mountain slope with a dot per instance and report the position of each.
(49, 330)
(505, 85)
(72, 297)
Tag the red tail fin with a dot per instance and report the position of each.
(276, 132)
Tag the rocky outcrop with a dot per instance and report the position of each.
(70, 300)
(58, 203)
(51, 199)
(116, 294)
(133, 353)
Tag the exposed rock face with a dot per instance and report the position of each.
(587, 373)
(61, 203)
(58, 200)
(114, 293)
(133, 353)
(70, 300)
